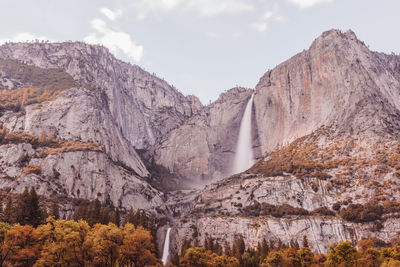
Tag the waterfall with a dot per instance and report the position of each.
(166, 247)
(244, 153)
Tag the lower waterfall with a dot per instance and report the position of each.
(166, 247)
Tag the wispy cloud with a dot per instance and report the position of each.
(211, 35)
(212, 7)
(144, 8)
(111, 15)
(116, 41)
(271, 14)
(24, 37)
(309, 3)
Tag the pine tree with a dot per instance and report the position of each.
(264, 249)
(130, 217)
(305, 242)
(117, 217)
(35, 212)
(227, 249)
(185, 245)
(54, 210)
(28, 210)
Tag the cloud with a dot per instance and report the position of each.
(116, 41)
(212, 7)
(24, 37)
(205, 8)
(309, 3)
(111, 15)
(211, 35)
(261, 27)
(272, 14)
(236, 34)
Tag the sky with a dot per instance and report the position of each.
(202, 47)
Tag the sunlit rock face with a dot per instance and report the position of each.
(337, 82)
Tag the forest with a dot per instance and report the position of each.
(32, 234)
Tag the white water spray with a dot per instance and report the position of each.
(166, 247)
(244, 158)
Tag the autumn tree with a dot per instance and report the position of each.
(305, 256)
(62, 243)
(200, 257)
(274, 259)
(4, 253)
(137, 247)
(102, 244)
(343, 253)
(22, 245)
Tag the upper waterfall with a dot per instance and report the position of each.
(244, 158)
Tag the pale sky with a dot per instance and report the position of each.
(202, 47)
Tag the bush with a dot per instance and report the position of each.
(279, 211)
(368, 212)
(324, 211)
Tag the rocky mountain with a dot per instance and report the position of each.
(78, 122)
(328, 124)
(74, 94)
(143, 106)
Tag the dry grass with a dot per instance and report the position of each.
(52, 145)
(343, 162)
(32, 169)
(38, 85)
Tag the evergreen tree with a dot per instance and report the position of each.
(227, 249)
(305, 242)
(264, 249)
(185, 245)
(28, 210)
(35, 212)
(117, 217)
(54, 210)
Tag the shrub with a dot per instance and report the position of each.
(368, 212)
(324, 211)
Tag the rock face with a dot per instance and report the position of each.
(143, 106)
(204, 146)
(77, 174)
(114, 105)
(337, 82)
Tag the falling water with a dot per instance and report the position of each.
(244, 153)
(166, 247)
